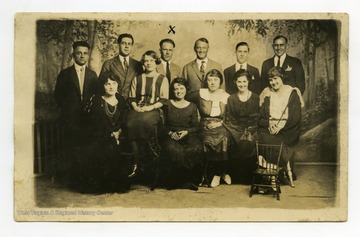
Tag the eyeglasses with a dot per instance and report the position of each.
(126, 44)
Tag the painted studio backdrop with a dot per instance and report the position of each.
(314, 42)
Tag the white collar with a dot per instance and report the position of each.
(164, 62)
(122, 58)
(199, 61)
(78, 67)
(238, 65)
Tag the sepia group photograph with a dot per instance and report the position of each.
(190, 117)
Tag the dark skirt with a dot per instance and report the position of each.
(142, 125)
(101, 168)
(215, 142)
(187, 152)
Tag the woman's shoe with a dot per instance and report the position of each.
(215, 181)
(134, 172)
(226, 178)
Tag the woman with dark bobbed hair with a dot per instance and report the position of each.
(242, 116)
(211, 102)
(101, 168)
(280, 115)
(148, 93)
(180, 143)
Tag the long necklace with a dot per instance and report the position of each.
(107, 110)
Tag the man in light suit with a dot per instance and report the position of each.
(122, 65)
(74, 87)
(196, 70)
(242, 51)
(292, 66)
(168, 68)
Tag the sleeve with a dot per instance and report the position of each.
(193, 97)
(60, 89)
(264, 80)
(132, 93)
(164, 91)
(105, 67)
(264, 114)
(184, 73)
(294, 108)
(258, 86)
(255, 115)
(300, 77)
(194, 121)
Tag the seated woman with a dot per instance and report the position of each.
(149, 92)
(280, 115)
(101, 167)
(242, 116)
(181, 146)
(211, 102)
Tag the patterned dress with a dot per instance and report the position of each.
(146, 91)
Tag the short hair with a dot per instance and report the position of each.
(277, 72)
(167, 41)
(280, 37)
(104, 77)
(80, 44)
(201, 40)
(241, 73)
(214, 73)
(152, 54)
(125, 35)
(242, 44)
(181, 81)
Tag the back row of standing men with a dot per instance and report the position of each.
(126, 67)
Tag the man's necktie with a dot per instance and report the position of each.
(278, 62)
(168, 73)
(126, 65)
(241, 66)
(82, 78)
(202, 69)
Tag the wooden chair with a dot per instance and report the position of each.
(266, 175)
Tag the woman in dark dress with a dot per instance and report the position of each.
(280, 116)
(211, 102)
(182, 148)
(102, 168)
(241, 121)
(148, 93)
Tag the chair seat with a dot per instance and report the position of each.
(266, 172)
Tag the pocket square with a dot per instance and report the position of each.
(288, 68)
(252, 78)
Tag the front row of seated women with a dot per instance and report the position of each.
(192, 150)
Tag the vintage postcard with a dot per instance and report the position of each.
(163, 117)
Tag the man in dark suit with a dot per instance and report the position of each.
(242, 51)
(74, 87)
(122, 65)
(168, 68)
(292, 66)
(196, 70)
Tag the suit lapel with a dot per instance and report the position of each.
(196, 70)
(75, 79)
(119, 67)
(86, 83)
(173, 71)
